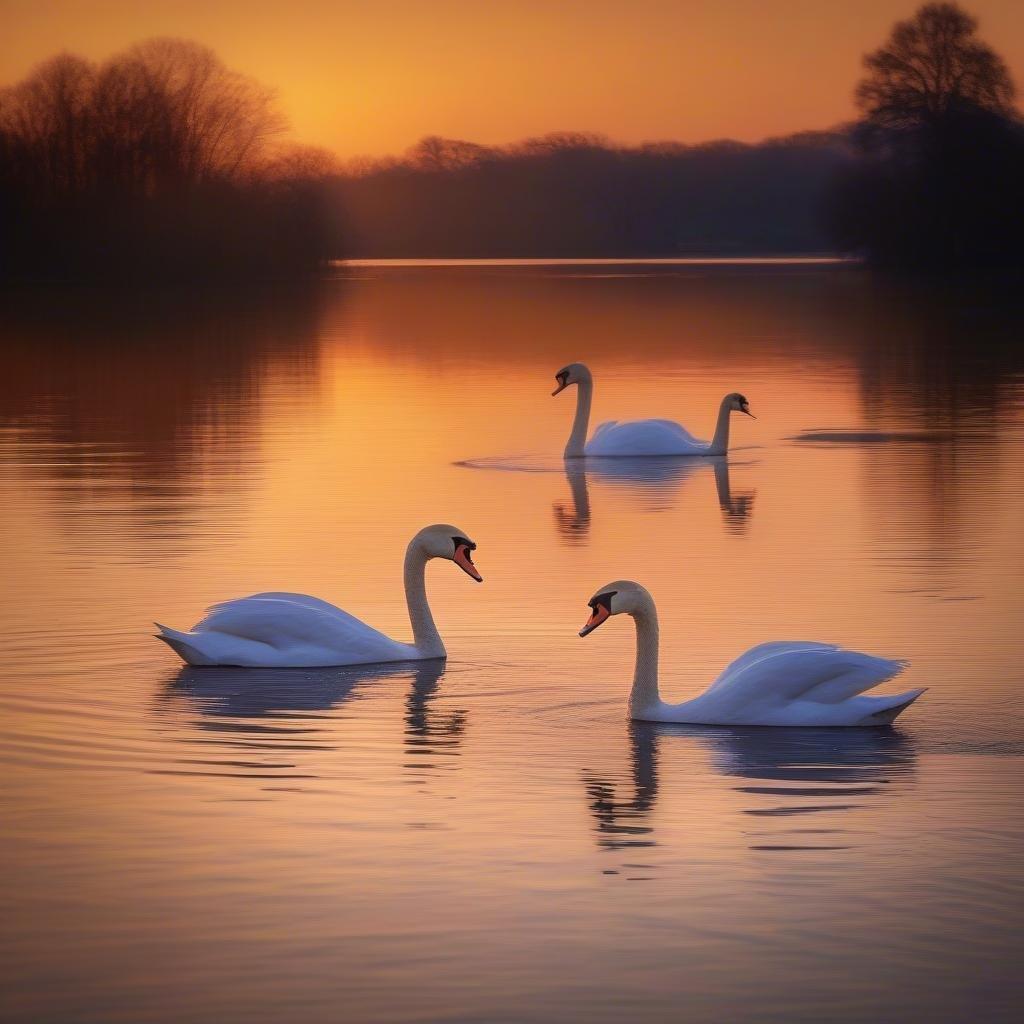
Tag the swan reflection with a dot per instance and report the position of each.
(432, 738)
(653, 479)
(791, 773)
(226, 692)
(737, 508)
(573, 522)
(621, 811)
(801, 782)
(267, 711)
(856, 759)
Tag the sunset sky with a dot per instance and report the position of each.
(373, 76)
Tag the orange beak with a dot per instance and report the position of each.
(463, 560)
(563, 383)
(597, 616)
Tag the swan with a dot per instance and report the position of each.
(787, 683)
(278, 630)
(640, 437)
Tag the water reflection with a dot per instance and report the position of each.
(795, 772)
(802, 772)
(432, 738)
(573, 522)
(655, 481)
(941, 358)
(268, 711)
(737, 508)
(621, 810)
(128, 406)
(947, 363)
(276, 456)
(225, 692)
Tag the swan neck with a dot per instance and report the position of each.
(578, 437)
(720, 442)
(645, 693)
(425, 636)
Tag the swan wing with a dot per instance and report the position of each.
(733, 673)
(676, 430)
(644, 437)
(314, 603)
(277, 629)
(277, 616)
(787, 671)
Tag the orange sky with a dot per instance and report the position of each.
(373, 76)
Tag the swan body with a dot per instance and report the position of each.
(644, 437)
(638, 437)
(282, 630)
(788, 683)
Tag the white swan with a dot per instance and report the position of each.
(639, 437)
(787, 683)
(278, 630)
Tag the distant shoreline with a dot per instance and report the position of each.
(654, 261)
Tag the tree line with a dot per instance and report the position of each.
(569, 194)
(159, 163)
(163, 163)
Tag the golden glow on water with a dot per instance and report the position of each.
(416, 843)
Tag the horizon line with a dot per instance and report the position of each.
(596, 261)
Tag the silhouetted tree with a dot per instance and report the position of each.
(932, 66)
(941, 152)
(161, 161)
(434, 153)
(48, 125)
(170, 114)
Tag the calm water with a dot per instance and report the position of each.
(492, 840)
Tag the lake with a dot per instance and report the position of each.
(492, 839)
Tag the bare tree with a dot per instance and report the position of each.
(932, 65)
(192, 119)
(302, 164)
(161, 161)
(562, 142)
(165, 114)
(48, 122)
(434, 153)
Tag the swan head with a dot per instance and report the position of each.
(574, 373)
(444, 541)
(736, 402)
(623, 597)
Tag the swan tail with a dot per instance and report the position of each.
(887, 708)
(855, 673)
(181, 644)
